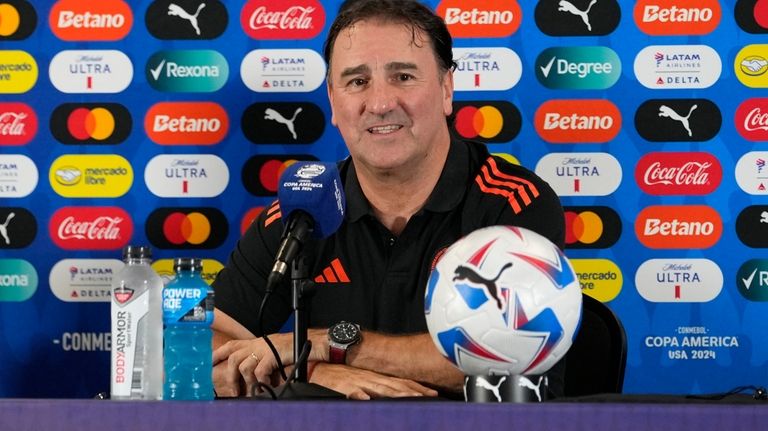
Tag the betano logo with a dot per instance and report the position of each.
(667, 67)
(679, 280)
(752, 172)
(18, 174)
(578, 68)
(84, 280)
(186, 175)
(751, 65)
(752, 280)
(18, 20)
(297, 19)
(190, 19)
(677, 17)
(678, 226)
(752, 226)
(282, 70)
(490, 121)
(752, 16)
(18, 124)
(18, 280)
(480, 18)
(187, 71)
(580, 174)
(90, 71)
(577, 17)
(678, 173)
(577, 121)
(751, 119)
(90, 228)
(599, 278)
(261, 174)
(91, 175)
(591, 227)
(18, 72)
(84, 20)
(91, 123)
(486, 69)
(186, 123)
(187, 228)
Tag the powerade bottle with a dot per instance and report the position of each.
(188, 314)
(136, 366)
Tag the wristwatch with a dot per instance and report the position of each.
(340, 337)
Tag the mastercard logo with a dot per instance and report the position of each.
(18, 20)
(261, 174)
(752, 15)
(487, 121)
(91, 123)
(187, 228)
(591, 227)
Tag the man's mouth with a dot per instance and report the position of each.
(383, 130)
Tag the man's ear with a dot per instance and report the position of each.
(329, 90)
(447, 86)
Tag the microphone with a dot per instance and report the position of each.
(312, 205)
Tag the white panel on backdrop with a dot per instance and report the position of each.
(186, 175)
(486, 69)
(282, 70)
(90, 71)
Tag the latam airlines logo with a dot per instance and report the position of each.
(186, 19)
(18, 20)
(480, 18)
(90, 228)
(186, 175)
(91, 175)
(91, 123)
(668, 173)
(90, 71)
(18, 228)
(577, 121)
(752, 226)
(752, 280)
(192, 71)
(296, 19)
(187, 228)
(751, 65)
(678, 226)
(18, 176)
(751, 119)
(18, 124)
(580, 174)
(667, 67)
(18, 280)
(283, 123)
(486, 69)
(84, 280)
(591, 227)
(186, 123)
(282, 70)
(82, 20)
(679, 280)
(261, 174)
(491, 121)
(752, 172)
(578, 68)
(667, 120)
(18, 72)
(577, 17)
(752, 16)
(677, 17)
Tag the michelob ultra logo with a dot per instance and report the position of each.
(296, 19)
(18, 72)
(677, 17)
(678, 226)
(91, 123)
(91, 175)
(667, 67)
(577, 121)
(678, 173)
(194, 71)
(18, 176)
(90, 71)
(752, 280)
(84, 280)
(490, 121)
(752, 172)
(599, 278)
(84, 20)
(186, 175)
(18, 20)
(164, 268)
(18, 280)
(187, 228)
(578, 67)
(282, 70)
(480, 18)
(679, 280)
(751, 66)
(580, 174)
(186, 123)
(486, 69)
(751, 119)
(18, 124)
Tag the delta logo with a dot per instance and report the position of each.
(489, 121)
(577, 17)
(18, 71)
(752, 226)
(678, 226)
(91, 175)
(580, 174)
(751, 65)
(187, 71)
(18, 124)
(679, 280)
(578, 68)
(751, 119)
(591, 227)
(752, 280)
(480, 18)
(90, 71)
(577, 121)
(486, 69)
(84, 280)
(752, 173)
(283, 123)
(261, 174)
(282, 70)
(683, 173)
(18, 20)
(601, 279)
(186, 123)
(91, 228)
(286, 20)
(752, 16)
(673, 120)
(667, 67)
(186, 19)
(187, 228)
(83, 20)
(677, 17)
(18, 176)
(91, 123)
(186, 175)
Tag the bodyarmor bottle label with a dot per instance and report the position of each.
(127, 313)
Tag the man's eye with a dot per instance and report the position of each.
(404, 77)
(357, 82)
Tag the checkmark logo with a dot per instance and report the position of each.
(156, 71)
(748, 281)
(545, 69)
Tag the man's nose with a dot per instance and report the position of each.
(381, 98)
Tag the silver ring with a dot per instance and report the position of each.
(253, 355)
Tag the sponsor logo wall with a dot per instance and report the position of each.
(167, 123)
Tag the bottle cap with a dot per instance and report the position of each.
(187, 264)
(137, 252)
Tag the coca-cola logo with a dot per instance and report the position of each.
(302, 19)
(91, 228)
(751, 119)
(18, 124)
(694, 173)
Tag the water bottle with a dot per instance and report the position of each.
(136, 370)
(188, 314)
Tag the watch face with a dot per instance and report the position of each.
(344, 332)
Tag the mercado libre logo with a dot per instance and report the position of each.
(187, 228)
(480, 18)
(18, 20)
(751, 66)
(18, 123)
(186, 19)
(751, 226)
(677, 17)
(752, 16)
(287, 20)
(91, 123)
(90, 71)
(678, 226)
(282, 70)
(489, 121)
(577, 121)
(18, 280)
(577, 17)
(187, 71)
(283, 123)
(18, 228)
(261, 174)
(84, 20)
(667, 67)
(578, 68)
(752, 280)
(18, 72)
(90, 228)
(679, 280)
(678, 120)
(591, 227)
(186, 123)
(91, 175)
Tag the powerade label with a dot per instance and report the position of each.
(188, 305)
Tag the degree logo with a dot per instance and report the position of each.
(752, 226)
(18, 228)
(282, 70)
(578, 68)
(18, 124)
(751, 65)
(679, 280)
(752, 173)
(190, 71)
(261, 174)
(283, 123)
(186, 123)
(672, 173)
(678, 226)
(186, 175)
(187, 228)
(91, 123)
(672, 120)
(667, 67)
(480, 18)
(580, 174)
(752, 280)
(291, 20)
(91, 176)
(489, 121)
(90, 228)
(577, 121)
(18, 20)
(577, 17)
(591, 227)
(751, 119)
(83, 20)
(486, 69)
(677, 17)
(84, 280)
(18, 72)
(599, 278)
(752, 16)
(19, 280)
(18, 174)
(186, 19)
(90, 71)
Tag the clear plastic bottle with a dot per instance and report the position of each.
(188, 314)
(137, 329)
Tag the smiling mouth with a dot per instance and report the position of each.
(383, 130)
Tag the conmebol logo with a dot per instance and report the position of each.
(18, 124)
(751, 119)
(480, 18)
(90, 228)
(297, 19)
(668, 173)
(82, 20)
(186, 123)
(678, 226)
(577, 121)
(677, 17)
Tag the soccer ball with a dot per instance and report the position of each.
(503, 300)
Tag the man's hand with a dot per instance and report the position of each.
(239, 365)
(359, 384)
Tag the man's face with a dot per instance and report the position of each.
(388, 96)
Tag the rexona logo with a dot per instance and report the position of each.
(751, 226)
(191, 71)
(578, 67)
(283, 123)
(591, 227)
(186, 175)
(672, 120)
(18, 228)
(677, 17)
(751, 119)
(260, 174)
(18, 280)
(90, 228)
(186, 19)
(480, 18)
(752, 280)
(82, 20)
(751, 65)
(486, 69)
(187, 228)
(186, 123)
(18, 176)
(18, 72)
(752, 16)
(670, 173)
(91, 71)
(668, 67)
(91, 175)
(296, 19)
(18, 20)
(577, 17)
(489, 121)
(679, 280)
(599, 278)
(678, 226)
(164, 268)
(18, 124)
(282, 70)
(577, 121)
(84, 280)
(580, 174)
(91, 123)
(752, 172)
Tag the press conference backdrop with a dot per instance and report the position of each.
(168, 122)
